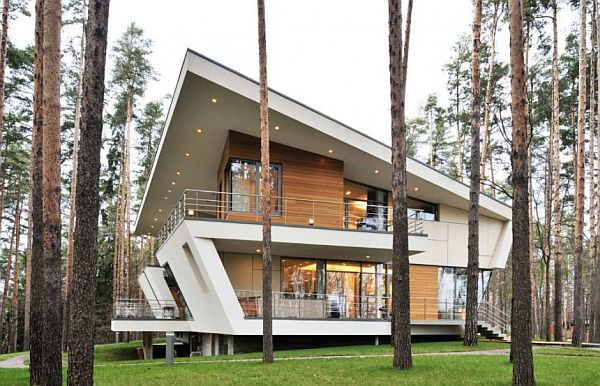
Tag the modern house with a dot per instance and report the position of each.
(331, 234)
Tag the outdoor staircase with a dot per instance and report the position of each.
(493, 323)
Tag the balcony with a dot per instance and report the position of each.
(224, 206)
(142, 309)
(288, 305)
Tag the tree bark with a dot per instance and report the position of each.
(595, 306)
(7, 271)
(81, 337)
(14, 308)
(556, 167)
(400, 265)
(51, 237)
(521, 310)
(3, 52)
(27, 307)
(580, 186)
(470, 338)
(37, 336)
(265, 174)
(73, 201)
(488, 96)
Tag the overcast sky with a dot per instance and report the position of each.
(329, 54)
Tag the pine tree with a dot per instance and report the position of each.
(470, 338)
(82, 318)
(398, 49)
(521, 353)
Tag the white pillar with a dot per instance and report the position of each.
(230, 345)
(147, 347)
(170, 349)
(376, 340)
(216, 344)
(206, 345)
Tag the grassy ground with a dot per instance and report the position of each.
(553, 366)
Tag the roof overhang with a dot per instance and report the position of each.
(189, 159)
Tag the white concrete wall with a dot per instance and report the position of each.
(447, 240)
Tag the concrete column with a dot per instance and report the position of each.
(147, 347)
(206, 345)
(230, 345)
(216, 344)
(170, 349)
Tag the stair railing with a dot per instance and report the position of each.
(493, 316)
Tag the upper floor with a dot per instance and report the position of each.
(324, 174)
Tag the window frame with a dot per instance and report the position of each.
(257, 165)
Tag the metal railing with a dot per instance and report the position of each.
(334, 306)
(349, 214)
(146, 309)
(494, 317)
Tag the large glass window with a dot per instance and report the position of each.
(244, 185)
(452, 290)
(366, 208)
(300, 277)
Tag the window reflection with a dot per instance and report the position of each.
(452, 291)
(245, 186)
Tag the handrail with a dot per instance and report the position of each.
(350, 214)
(494, 316)
(333, 306)
(154, 309)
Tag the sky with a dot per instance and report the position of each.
(329, 54)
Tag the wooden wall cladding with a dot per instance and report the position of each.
(305, 176)
(423, 292)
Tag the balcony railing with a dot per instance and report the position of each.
(328, 306)
(147, 309)
(351, 214)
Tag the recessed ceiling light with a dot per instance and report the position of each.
(258, 251)
(416, 189)
(368, 257)
(166, 198)
(276, 127)
(155, 219)
(348, 192)
(376, 171)
(160, 210)
(330, 151)
(214, 100)
(187, 154)
(178, 173)
(169, 190)
(173, 183)
(199, 131)
(151, 226)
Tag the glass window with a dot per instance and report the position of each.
(302, 276)
(244, 186)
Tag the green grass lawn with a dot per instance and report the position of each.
(553, 366)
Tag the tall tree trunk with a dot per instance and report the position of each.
(547, 240)
(521, 310)
(400, 265)
(532, 273)
(470, 338)
(580, 186)
(267, 290)
(27, 307)
(3, 52)
(487, 105)
(14, 308)
(37, 333)
(51, 246)
(7, 272)
(81, 336)
(459, 148)
(73, 201)
(556, 167)
(596, 271)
